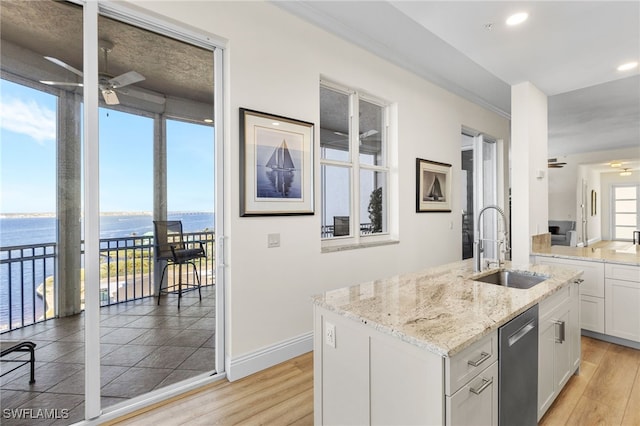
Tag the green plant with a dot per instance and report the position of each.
(375, 210)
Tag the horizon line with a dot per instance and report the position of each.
(112, 213)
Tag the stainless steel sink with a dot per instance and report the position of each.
(513, 279)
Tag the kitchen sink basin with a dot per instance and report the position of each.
(513, 279)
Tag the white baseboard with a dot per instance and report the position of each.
(245, 365)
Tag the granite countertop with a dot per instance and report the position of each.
(626, 256)
(441, 309)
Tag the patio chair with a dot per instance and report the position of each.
(8, 347)
(170, 246)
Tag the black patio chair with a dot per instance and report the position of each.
(171, 246)
(7, 347)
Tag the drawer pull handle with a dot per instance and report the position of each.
(485, 384)
(560, 331)
(483, 357)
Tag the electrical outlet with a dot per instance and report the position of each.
(330, 334)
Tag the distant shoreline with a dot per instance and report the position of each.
(52, 215)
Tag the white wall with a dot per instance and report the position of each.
(274, 63)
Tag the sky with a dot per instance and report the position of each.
(28, 158)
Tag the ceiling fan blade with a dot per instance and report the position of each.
(64, 65)
(60, 83)
(368, 133)
(145, 95)
(125, 79)
(110, 97)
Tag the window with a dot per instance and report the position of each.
(354, 164)
(625, 207)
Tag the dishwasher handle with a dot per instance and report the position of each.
(513, 339)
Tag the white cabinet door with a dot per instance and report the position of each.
(558, 344)
(476, 403)
(562, 360)
(622, 309)
(592, 313)
(546, 356)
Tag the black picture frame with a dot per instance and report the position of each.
(276, 165)
(433, 186)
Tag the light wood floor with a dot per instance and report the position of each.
(607, 391)
(280, 395)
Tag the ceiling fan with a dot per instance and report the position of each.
(362, 135)
(106, 82)
(553, 163)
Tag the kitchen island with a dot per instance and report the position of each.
(413, 348)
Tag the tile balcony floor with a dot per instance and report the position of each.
(143, 347)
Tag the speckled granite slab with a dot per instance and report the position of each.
(441, 309)
(628, 256)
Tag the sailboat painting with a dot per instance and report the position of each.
(433, 186)
(278, 159)
(276, 165)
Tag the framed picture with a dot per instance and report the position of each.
(433, 186)
(276, 165)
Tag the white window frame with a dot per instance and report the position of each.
(355, 239)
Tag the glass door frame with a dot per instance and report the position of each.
(91, 10)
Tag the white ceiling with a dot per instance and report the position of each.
(569, 50)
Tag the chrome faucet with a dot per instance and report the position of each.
(478, 244)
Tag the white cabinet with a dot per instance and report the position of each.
(592, 294)
(476, 403)
(558, 344)
(622, 301)
(369, 377)
(471, 384)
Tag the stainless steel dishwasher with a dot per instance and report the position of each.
(518, 370)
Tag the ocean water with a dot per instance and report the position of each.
(19, 231)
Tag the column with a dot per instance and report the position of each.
(68, 205)
(159, 180)
(529, 184)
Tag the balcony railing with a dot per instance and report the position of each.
(326, 231)
(27, 276)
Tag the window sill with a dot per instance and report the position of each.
(355, 246)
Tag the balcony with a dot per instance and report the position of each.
(144, 346)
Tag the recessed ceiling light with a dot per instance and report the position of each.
(628, 66)
(517, 18)
(615, 164)
(208, 120)
(275, 123)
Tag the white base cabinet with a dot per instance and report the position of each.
(368, 377)
(558, 344)
(622, 301)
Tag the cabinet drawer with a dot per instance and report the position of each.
(622, 272)
(476, 403)
(467, 364)
(552, 302)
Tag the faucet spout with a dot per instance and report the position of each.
(478, 243)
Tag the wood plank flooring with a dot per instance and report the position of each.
(607, 391)
(280, 395)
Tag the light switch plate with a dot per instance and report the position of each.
(273, 240)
